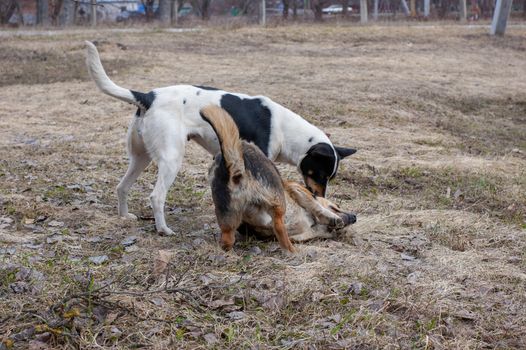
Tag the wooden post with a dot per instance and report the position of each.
(263, 13)
(363, 11)
(93, 13)
(375, 10)
(463, 11)
(426, 8)
(500, 17)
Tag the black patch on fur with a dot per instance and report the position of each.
(198, 92)
(310, 139)
(145, 100)
(184, 101)
(138, 113)
(319, 162)
(252, 118)
(204, 87)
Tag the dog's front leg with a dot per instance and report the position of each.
(168, 169)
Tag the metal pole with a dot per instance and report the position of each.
(263, 14)
(93, 13)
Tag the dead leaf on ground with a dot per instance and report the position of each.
(161, 262)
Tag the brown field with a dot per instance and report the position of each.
(437, 259)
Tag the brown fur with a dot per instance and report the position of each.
(229, 140)
(246, 186)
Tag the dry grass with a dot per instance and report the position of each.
(436, 259)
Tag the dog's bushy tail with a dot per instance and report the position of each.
(104, 83)
(228, 135)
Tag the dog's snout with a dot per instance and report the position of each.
(349, 218)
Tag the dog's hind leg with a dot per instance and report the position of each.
(280, 230)
(168, 168)
(137, 164)
(139, 160)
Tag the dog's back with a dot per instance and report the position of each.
(246, 185)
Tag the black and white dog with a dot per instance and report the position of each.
(167, 118)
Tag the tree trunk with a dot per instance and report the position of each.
(412, 4)
(500, 17)
(164, 11)
(55, 12)
(68, 13)
(7, 9)
(205, 10)
(462, 10)
(285, 9)
(426, 8)
(345, 8)
(318, 13)
(43, 12)
(148, 8)
(174, 12)
(405, 8)
(375, 10)
(363, 11)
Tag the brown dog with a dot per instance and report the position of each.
(247, 189)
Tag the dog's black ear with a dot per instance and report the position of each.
(344, 152)
(321, 149)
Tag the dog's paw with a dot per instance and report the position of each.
(336, 223)
(128, 216)
(165, 231)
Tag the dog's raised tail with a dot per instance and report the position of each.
(228, 135)
(104, 83)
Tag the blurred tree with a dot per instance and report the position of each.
(286, 4)
(56, 7)
(345, 8)
(165, 7)
(317, 6)
(42, 12)
(7, 9)
(148, 8)
(203, 8)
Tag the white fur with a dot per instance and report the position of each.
(161, 132)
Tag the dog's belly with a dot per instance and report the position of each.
(258, 218)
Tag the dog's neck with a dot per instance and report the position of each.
(301, 136)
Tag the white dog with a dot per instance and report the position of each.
(167, 118)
